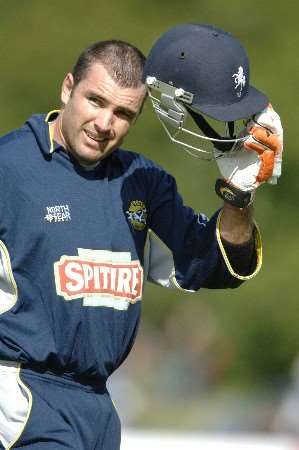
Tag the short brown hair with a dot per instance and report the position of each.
(123, 61)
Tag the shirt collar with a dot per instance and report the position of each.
(50, 117)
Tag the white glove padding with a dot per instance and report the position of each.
(258, 158)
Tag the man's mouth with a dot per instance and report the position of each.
(96, 137)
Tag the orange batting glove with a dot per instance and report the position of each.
(252, 162)
(267, 141)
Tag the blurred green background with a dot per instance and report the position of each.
(215, 359)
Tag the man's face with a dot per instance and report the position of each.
(97, 114)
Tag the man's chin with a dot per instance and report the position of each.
(92, 158)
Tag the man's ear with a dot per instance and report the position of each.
(66, 89)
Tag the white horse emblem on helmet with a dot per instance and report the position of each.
(240, 80)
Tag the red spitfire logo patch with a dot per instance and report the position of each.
(101, 278)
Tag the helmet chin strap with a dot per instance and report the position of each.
(221, 143)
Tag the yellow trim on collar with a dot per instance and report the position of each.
(51, 134)
(258, 246)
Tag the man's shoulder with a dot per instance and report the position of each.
(130, 158)
(140, 169)
(11, 146)
(14, 138)
(14, 145)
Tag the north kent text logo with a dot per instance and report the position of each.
(240, 80)
(100, 277)
(58, 213)
(137, 214)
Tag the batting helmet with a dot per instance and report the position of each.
(200, 69)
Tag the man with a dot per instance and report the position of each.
(83, 225)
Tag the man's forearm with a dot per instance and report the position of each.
(236, 224)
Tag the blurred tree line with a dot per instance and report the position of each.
(40, 41)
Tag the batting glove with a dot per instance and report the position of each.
(253, 161)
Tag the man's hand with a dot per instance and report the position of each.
(254, 161)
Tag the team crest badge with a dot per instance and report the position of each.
(137, 215)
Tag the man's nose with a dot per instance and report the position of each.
(104, 120)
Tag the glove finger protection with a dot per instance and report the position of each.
(253, 161)
(267, 140)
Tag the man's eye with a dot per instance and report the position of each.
(125, 115)
(95, 101)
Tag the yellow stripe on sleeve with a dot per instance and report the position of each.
(258, 246)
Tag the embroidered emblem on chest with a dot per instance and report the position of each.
(58, 213)
(137, 215)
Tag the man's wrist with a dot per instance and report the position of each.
(232, 194)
